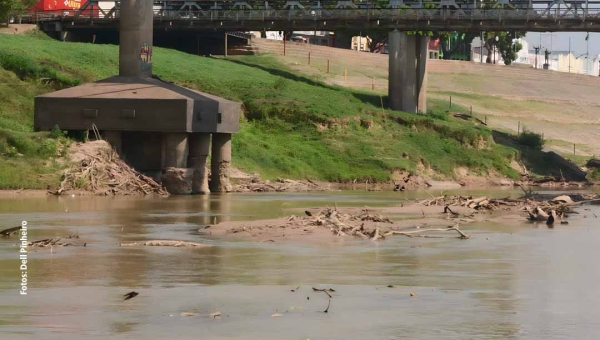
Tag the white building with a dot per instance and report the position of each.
(477, 48)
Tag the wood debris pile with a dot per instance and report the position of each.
(256, 184)
(341, 224)
(66, 240)
(164, 243)
(539, 207)
(479, 203)
(105, 174)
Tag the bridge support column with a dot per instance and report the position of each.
(407, 87)
(114, 139)
(199, 149)
(176, 178)
(220, 162)
(422, 57)
(175, 150)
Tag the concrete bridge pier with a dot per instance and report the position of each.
(199, 145)
(408, 54)
(220, 162)
(114, 138)
(175, 150)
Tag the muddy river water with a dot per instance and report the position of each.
(513, 280)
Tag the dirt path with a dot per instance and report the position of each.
(17, 29)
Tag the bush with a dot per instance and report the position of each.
(56, 132)
(531, 139)
(28, 68)
(47, 148)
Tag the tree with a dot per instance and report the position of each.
(454, 42)
(23, 6)
(503, 42)
(6, 8)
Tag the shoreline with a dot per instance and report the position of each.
(434, 217)
(299, 186)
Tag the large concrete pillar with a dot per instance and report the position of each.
(407, 71)
(220, 162)
(176, 150)
(422, 60)
(114, 138)
(199, 149)
(135, 38)
(176, 177)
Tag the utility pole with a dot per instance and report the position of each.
(481, 48)
(359, 40)
(536, 52)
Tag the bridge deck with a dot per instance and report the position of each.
(554, 15)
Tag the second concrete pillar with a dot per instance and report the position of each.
(176, 177)
(407, 71)
(220, 162)
(175, 150)
(199, 150)
(114, 138)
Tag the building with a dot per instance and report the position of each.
(323, 38)
(360, 43)
(565, 61)
(433, 49)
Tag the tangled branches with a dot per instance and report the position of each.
(104, 173)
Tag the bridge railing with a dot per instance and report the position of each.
(331, 14)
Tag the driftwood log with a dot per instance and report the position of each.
(10, 231)
(164, 243)
(416, 233)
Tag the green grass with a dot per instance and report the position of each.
(293, 126)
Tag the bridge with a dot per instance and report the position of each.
(168, 130)
(289, 15)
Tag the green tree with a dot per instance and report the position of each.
(503, 42)
(23, 7)
(454, 42)
(7, 7)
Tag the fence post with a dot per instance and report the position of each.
(519, 128)
(345, 73)
(372, 84)
(327, 66)
(284, 44)
(573, 149)
(450, 101)
(308, 58)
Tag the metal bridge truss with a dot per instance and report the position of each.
(579, 15)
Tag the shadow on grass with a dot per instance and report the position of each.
(284, 74)
(367, 98)
(536, 161)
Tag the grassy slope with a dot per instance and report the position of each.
(278, 137)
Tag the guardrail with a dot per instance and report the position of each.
(335, 14)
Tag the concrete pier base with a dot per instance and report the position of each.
(175, 150)
(176, 178)
(220, 162)
(407, 88)
(199, 145)
(114, 138)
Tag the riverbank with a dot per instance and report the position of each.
(293, 126)
(421, 218)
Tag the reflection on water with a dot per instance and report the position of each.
(510, 281)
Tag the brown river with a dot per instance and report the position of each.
(514, 280)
